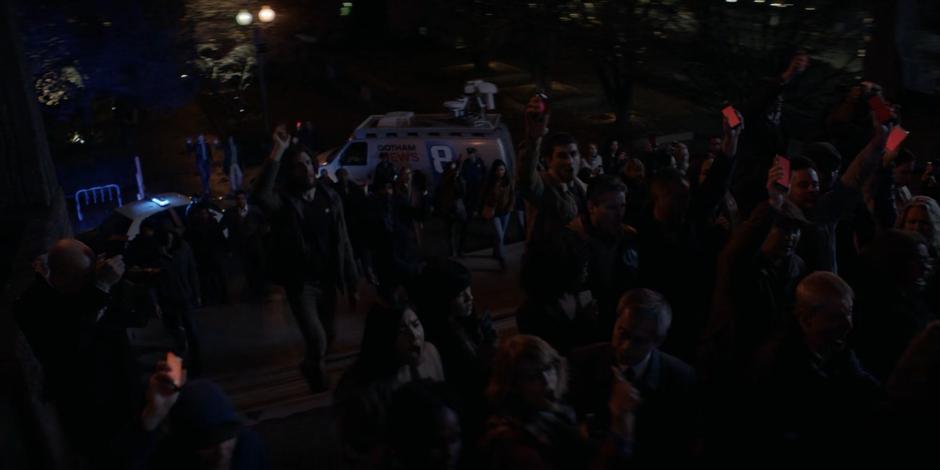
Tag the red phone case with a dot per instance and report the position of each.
(897, 135)
(732, 116)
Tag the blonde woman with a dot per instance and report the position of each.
(532, 428)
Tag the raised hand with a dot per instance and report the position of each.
(536, 118)
(109, 271)
(777, 195)
(281, 140)
(162, 394)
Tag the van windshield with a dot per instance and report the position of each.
(356, 154)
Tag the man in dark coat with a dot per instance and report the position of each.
(473, 172)
(76, 331)
(811, 397)
(245, 224)
(312, 256)
(665, 419)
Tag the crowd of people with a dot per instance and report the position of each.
(732, 305)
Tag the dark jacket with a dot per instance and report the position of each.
(390, 224)
(753, 298)
(473, 172)
(201, 417)
(613, 265)
(666, 420)
(287, 240)
(818, 243)
(673, 260)
(85, 361)
(801, 408)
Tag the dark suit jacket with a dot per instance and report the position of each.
(666, 420)
(287, 238)
(85, 361)
(799, 408)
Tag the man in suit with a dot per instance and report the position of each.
(72, 319)
(665, 420)
(245, 224)
(311, 255)
(811, 396)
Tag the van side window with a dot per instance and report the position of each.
(356, 154)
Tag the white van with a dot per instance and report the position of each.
(423, 142)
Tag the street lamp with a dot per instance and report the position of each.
(243, 18)
(265, 17)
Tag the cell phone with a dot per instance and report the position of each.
(882, 112)
(176, 369)
(897, 135)
(784, 163)
(732, 116)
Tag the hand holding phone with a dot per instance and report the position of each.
(175, 363)
(783, 163)
(536, 117)
(731, 115)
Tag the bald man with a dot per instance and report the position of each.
(67, 320)
(812, 396)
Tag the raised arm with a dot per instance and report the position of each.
(528, 180)
(844, 195)
(264, 186)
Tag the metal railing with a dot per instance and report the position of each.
(95, 195)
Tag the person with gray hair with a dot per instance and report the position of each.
(811, 396)
(665, 418)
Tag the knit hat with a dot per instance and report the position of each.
(203, 415)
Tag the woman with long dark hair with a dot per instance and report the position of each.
(393, 354)
(498, 201)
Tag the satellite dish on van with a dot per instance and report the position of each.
(457, 107)
(487, 91)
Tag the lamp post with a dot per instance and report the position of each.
(265, 17)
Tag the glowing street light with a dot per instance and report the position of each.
(244, 18)
(265, 18)
(266, 14)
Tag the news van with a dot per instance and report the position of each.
(425, 142)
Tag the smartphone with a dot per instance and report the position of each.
(882, 112)
(784, 163)
(732, 116)
(897, 135)
(176, 369)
